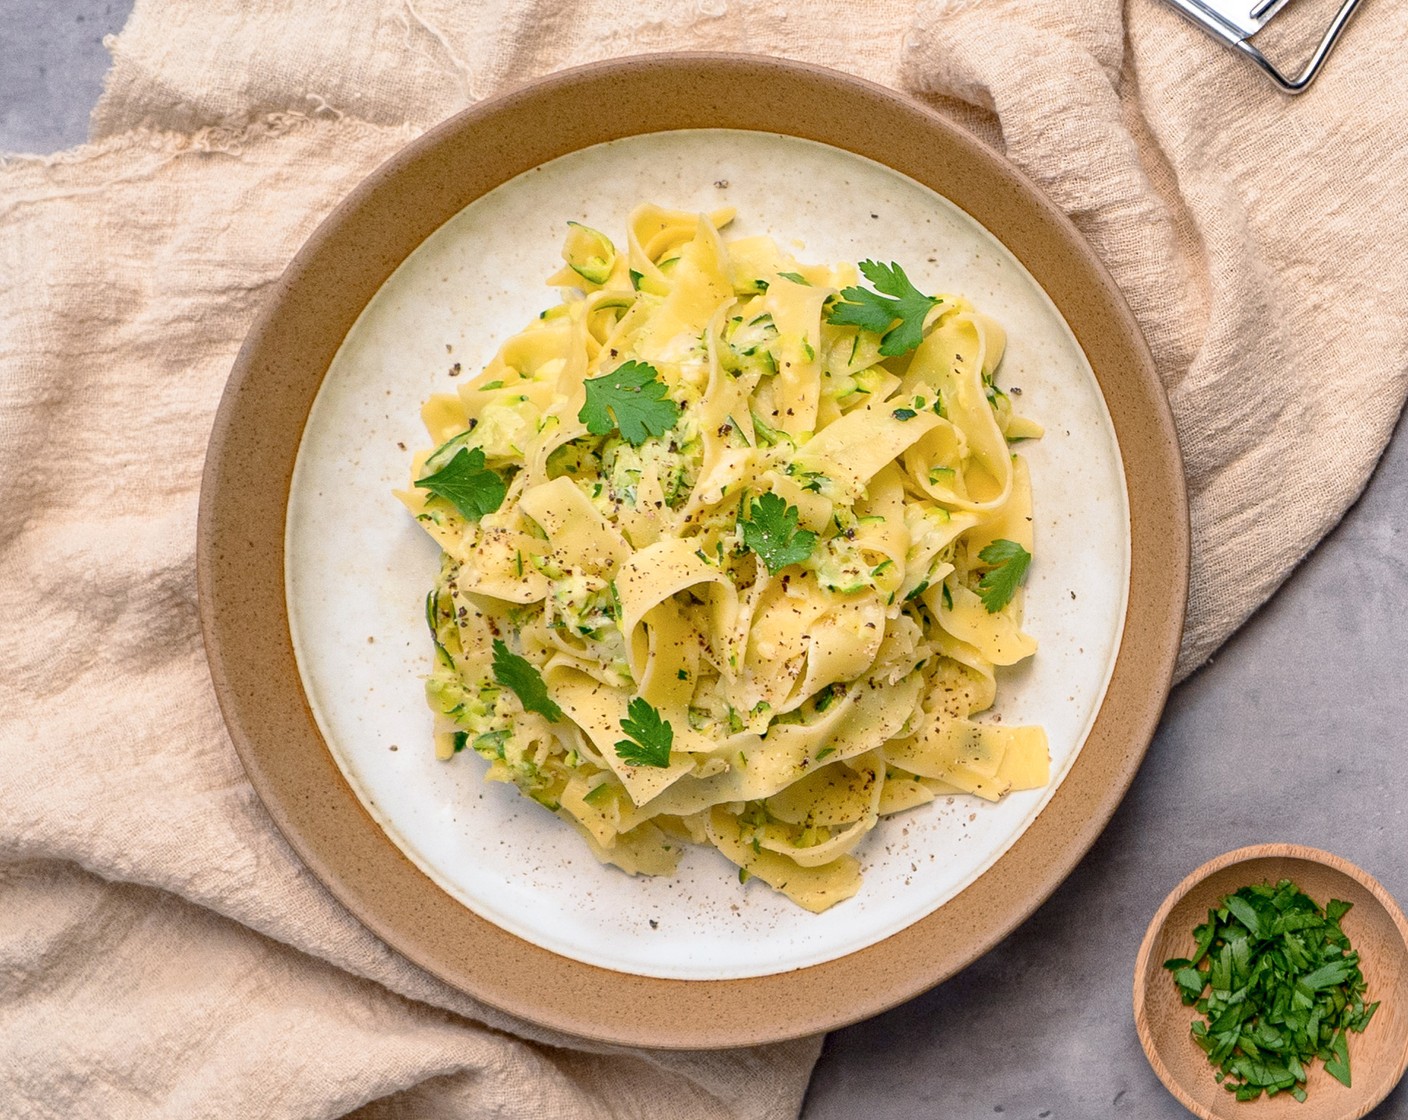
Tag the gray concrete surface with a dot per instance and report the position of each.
(1294, 733)
(52, 64)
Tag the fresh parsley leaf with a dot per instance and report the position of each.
(650, 736)
(1008, 562)
(895, 310)
(1335, 909)
(1326, 976)
(467, 484)
(631, 398)
(1190, 980)
(517, 674)
(771, 531)
(796, 278)
(1338, 1066)
(1244, 911)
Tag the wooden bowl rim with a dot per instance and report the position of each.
(1142, 977)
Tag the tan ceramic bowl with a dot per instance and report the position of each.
(1375, 927)
(241, 557)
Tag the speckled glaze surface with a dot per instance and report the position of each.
(246, 496)
(358, 565)
(1375, 927)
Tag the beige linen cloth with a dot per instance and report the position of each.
(162, 952)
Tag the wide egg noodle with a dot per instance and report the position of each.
(653, 577)
(863, 720)
(996, 635)
(965, 463)
(580, 537)
(849, 453)
(598, 710)
(802, 703)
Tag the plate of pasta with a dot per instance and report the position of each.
(709, 559)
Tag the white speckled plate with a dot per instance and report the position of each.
(358, 565)
(355, 567)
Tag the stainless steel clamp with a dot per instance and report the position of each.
(1234, 22)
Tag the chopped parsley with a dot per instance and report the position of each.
(1008, 565)
(517, 674)
(632, 399)
(771, 531)
(1282, 985)
(895, 310)
(467, 484)
(796, 278)
(650, 736)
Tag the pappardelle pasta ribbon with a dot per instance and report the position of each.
(731, 548)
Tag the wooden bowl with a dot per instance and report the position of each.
(1375, 927)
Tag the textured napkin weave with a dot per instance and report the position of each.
(162, 952)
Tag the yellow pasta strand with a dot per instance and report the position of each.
(763, 530)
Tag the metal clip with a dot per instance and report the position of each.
(1234, 22)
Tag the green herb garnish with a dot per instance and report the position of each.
(1008, 564)
(631, 398)
(1278, 985)
(517, 674)
(650, 736)
(895, 310)
(795, 277)
(467, 484)
(771, 531)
